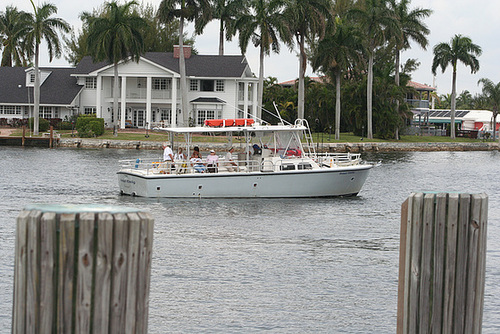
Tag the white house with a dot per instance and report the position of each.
(218, 87)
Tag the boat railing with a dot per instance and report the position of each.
(156, 166)
(339, 159)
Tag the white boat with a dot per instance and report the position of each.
(285, 164)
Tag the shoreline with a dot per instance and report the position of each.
(325, 147)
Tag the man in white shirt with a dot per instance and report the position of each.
(229, 160)
(168, 155)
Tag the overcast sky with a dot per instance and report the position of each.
(477, 19)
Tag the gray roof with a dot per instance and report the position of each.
(59, 88)
(196, 65)
(208, 100)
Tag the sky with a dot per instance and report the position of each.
(477, 19)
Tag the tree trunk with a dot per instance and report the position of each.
(7, 57)
(396, 75)
(369, 97)
(453, 102)
(260, 91)
(302, 70)
(495, 113)
(182, 68)
(396, 79)
(221, 38)
(337, 105)
(36, 94)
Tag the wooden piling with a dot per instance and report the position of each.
(442, 263)
(82, 269)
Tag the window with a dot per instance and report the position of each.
(56, 112)
(91, 83)
(89, 110)
(193, 85)
(10, 110)
(46, 112)
(203, 115)
(287, 167)
(32, 77)
(304, 165)
(166, 115)
(206, 85)
(162, 84)
(219, 85)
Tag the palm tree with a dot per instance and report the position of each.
(461, 49)
(492, 93)
(226, 11)
(12, 23)
(265, 26)
(184, 10)
(306, 19)
(41, 26)
(115, 36)
(412, 28)
(336, 54)
(379, 25)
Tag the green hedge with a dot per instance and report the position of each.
(89, 126)
(43, 124)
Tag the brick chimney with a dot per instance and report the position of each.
(185, 48)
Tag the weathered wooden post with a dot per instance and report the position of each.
(82, 269)
(442, 263)
(51, 137)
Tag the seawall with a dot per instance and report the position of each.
(325, 147)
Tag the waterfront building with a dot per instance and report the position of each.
(218, 87)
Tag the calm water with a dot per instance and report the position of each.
(314, 265)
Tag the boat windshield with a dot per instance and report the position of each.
(280, 143)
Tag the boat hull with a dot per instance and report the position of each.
(327, 182)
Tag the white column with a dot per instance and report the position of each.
(254, 98)
(98, 103)
(149, 87)
(174, 103)
(245, 100)
(124, 102)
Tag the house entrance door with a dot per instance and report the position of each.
(139, 120)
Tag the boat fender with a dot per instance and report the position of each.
(137, 161)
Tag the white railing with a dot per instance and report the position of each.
(157, 166)
(338, 158)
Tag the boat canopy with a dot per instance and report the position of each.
(253, 128)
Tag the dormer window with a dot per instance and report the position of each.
(206, 85)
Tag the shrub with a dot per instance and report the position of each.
(89, 126)
(66, 125)
(43, 124)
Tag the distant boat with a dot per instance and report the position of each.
(274, 162)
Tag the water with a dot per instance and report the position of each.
(292, 265)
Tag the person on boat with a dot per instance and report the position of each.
(180, 157)
(229, 160)
(196, 163)
(212, 162)
(197, 149)
(257, 150)
(168, 155)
